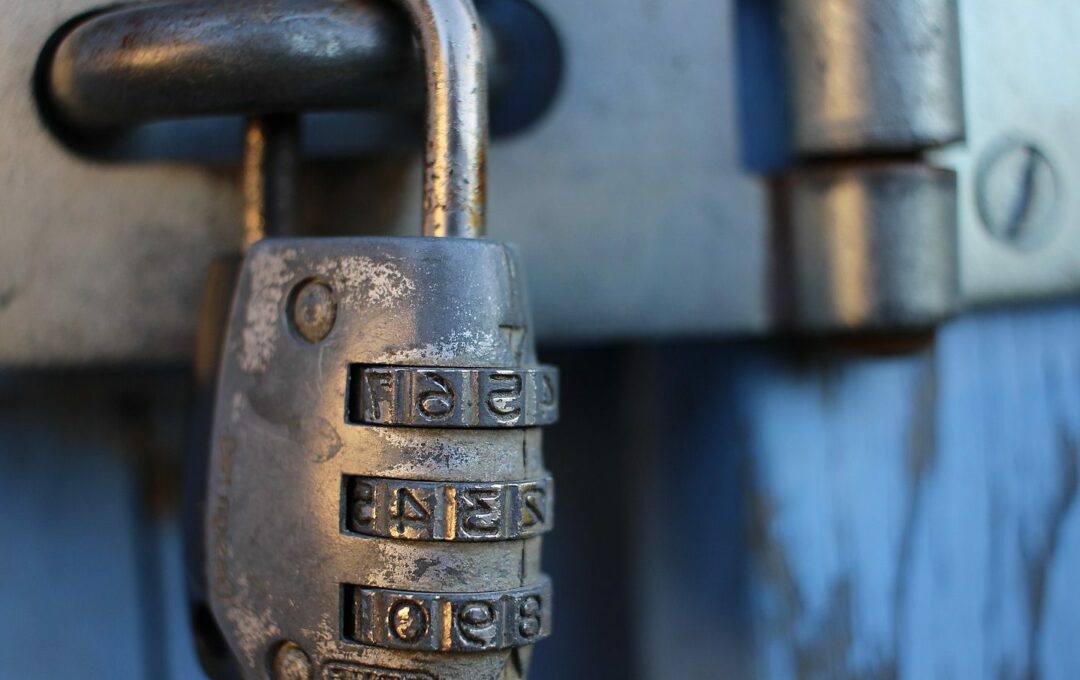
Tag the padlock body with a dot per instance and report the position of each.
(376, 492)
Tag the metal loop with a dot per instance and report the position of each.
(147, 61)
(457, 128)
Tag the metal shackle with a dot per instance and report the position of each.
(455, 151)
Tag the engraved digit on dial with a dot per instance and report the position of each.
(481, 513)
(408, 620)
(412, 508)
(505, 400)
(547, 391)
(363, 510)
(529, 614)
(379, 385)
(533, 508)
(437, 402)
(447, 622)
(409, 396)
(476, 623)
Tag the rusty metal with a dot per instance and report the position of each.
(124, 66)
(871, 227)
(291, 663)
(313, 311)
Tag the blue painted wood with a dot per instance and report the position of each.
(68, 583)
(182, 663)
(773, 514)
(918, 516)
(837, 451)
(908, 517)
(91, 581)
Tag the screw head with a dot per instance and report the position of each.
(1018, 193)
(291, 663)
(313, 310)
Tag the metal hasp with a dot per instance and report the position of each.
(623, 241)
(874, 250)
(873, 75)
(872, 229)
(376, 493)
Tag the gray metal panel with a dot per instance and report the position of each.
(1019, 89)
(616, 190)
(634, 213)
(97, 263)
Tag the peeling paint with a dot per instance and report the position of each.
(253, 629)
(269, 271)
(426, 451)
(239, 403)
(450, 347)
(364, 282)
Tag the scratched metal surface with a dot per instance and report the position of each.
(788, 515)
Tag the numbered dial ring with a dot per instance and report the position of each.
(454, 397)
(448, 511)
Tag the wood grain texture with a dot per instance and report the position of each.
(813, 515)
(740, 511)
(917, 517)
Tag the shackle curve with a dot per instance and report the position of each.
(455, 151)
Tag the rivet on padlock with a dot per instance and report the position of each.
(376, 493)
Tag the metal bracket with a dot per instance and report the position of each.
(873, 234)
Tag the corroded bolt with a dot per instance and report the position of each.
(1018, 193)
(313, 310)
(291, 663)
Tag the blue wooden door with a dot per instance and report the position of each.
(741, 510)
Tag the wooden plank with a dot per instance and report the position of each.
(905, 517)
(69, 600)
(786, 517)
(916, 517)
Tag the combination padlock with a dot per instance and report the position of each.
(376, 493)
